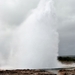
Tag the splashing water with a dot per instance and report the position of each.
(35, 41)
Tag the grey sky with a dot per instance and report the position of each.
(14, 12)
(66, 28)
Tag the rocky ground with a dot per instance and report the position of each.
(25, 72)
(63, 71)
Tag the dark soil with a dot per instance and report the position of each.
(25, 72)
(69, 71)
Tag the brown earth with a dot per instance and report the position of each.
(25, 72)
(66, 72)
(38, 72)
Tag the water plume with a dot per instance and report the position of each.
(35, 41)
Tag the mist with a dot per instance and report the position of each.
(14, 12)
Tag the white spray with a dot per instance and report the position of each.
(35, 41)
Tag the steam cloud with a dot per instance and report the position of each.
(34, 43)
(37, 39)
(12, 14)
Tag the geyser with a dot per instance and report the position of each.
(35, 41)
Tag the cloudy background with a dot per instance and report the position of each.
(14, 12)
(66, 27)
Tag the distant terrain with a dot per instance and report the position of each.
(66, 59)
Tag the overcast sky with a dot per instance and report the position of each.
(66, 28)
(14, 12)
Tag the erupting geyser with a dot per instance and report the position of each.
(35, 42)
(37, 39)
